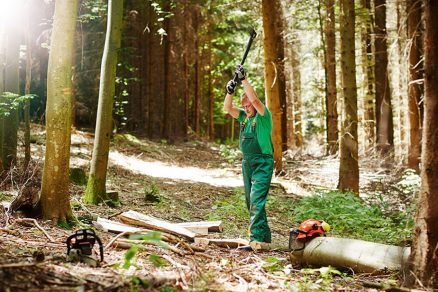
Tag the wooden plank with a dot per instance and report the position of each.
(197, 230)
(114, 226)
(229, 243)
(212, 226)
(139, 219)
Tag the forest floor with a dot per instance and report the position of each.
(191, 181)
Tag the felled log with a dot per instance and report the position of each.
(229, 243)
(359, 255)
(139, 219)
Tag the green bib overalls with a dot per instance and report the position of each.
(257, 171)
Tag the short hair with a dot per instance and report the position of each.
(242, 96)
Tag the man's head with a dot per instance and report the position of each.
(247, 105)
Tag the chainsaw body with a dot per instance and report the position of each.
(80, 247)
(309, 229)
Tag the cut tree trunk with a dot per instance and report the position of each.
(359, 255)
(229, 243)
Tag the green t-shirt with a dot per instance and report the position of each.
(263, 129)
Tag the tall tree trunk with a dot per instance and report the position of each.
(415, 83)
(290, 128)
(281, 73)
(424, 256)
(96, 190)
(368, 66)
(186, 68)
(349, 160)
(136, 53)
(55, 197)
(10, 129)
(402, 80)
(156, 80)
(27, 102)
(198, 75)
(330, 61)
(169, 64)
(296, 90)
(2, 89)
(210, 90)
(174, 45)
(384, 123)
(273, 79)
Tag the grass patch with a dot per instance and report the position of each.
(233, 213)
(5, 197)
(349, 216)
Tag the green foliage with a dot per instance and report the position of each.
(5, 197)
(152, 193)
(273, 264)
(349, 216)
(67, 224)
(11, 101)
(232, 211)
(120, 98)
(92, 10)
(157, 261)
(231, 154)
(326, 274)
(162, 13)
(136, 282)
(129, 256)
(410, 182)
(151, 189)
(150, 237)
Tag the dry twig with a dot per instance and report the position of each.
(27, 220)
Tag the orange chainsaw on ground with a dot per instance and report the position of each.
(309, 229)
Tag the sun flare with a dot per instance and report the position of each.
(13, 13)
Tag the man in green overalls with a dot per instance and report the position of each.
(258, 163)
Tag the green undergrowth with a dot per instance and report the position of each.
(348, 215)
(234, 214)
(230, 153)
(351, 217)
(232, 211)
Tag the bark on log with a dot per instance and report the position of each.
(359, 255)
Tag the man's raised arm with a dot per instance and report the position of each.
(228, 102)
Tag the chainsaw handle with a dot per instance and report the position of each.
(68, 242)
(100, 248)
(252, 35)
